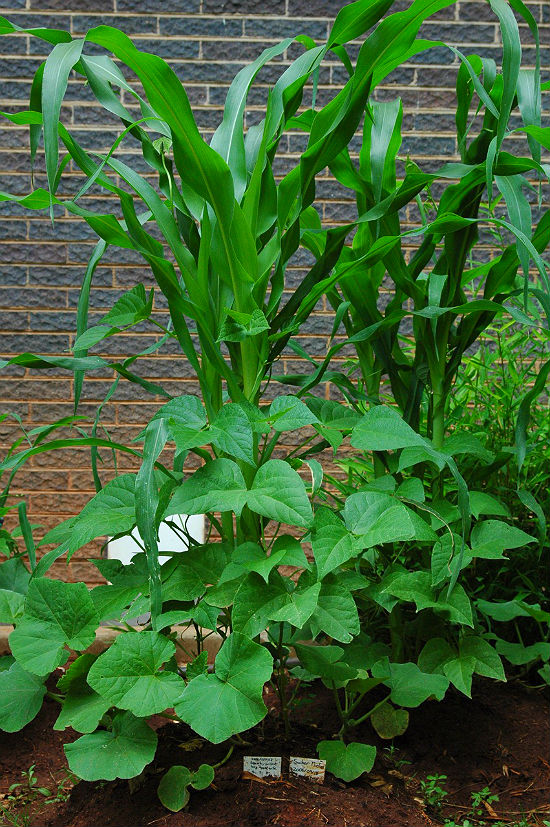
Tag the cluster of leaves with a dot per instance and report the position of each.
(389, 599)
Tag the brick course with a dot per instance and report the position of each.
(206, 42)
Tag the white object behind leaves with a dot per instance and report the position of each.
(124, 548)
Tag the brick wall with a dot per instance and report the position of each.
(41, 267)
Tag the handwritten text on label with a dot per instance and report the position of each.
(262, 766)
(311, 768)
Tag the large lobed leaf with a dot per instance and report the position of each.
(57, 615)
(230, 700)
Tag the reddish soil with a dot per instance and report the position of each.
(500, 739)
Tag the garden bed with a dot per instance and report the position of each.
(499, 740)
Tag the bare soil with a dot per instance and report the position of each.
(500, 740)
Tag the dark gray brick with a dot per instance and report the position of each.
(170, 49)
(279, 29)
(435, 55)
(136, 24)
(315, 8)
(31, 297)
(245, 50)
(13, 320)
(65, 276)
(11, 230)
(22, 253)
(428, 145)
(160, 6)
(13, 44)
(76, 5)
(452, 33)
(43, 20)
(13, 275)
(206, 71)
(53, 320)
(11, 67)
(244, 6)
(477, 12)
(200, 27)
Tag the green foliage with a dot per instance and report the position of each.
(347, 762)
(173, 789)
(230, 700)
(129, 674)
(22, 695)
(433, 790)
(409, 537)
(122, 751)
(57, 615)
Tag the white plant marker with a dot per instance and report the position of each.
(262, 766)
(311, 768)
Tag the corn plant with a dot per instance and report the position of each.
(454, 296)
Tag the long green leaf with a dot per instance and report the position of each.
(355, 19)
(82, 313)
(58, 66)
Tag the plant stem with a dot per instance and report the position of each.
(224, 760)
(438, 414)
(282, 681)
(364, 717)
(396, 633)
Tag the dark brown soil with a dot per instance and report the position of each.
(500, 740)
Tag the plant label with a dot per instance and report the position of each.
(262, 766)
(311, 768)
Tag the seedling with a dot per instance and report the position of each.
(433, 790)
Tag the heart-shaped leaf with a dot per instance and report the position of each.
(82, 708)
(11, 606)
(256, 604)
(128, 674)
(409, 686)
(278, 492)
(333, 544)
(491, 538)
(347, 762)
(21, 695)
(231, 432)
(285, 551)
(377, 518)
(217, 486)
(389, 722)
(229, 701)
(336, 612)
(112, 511)
(173, 789)
(121, 752)
(57, 615)
(383, 429)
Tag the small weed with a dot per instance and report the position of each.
(392, 752)
(22, 795)
(481, 797)
(432, 790)
(28, 787)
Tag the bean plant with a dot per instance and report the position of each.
(302, 575)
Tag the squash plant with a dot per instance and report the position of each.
(218, 231)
